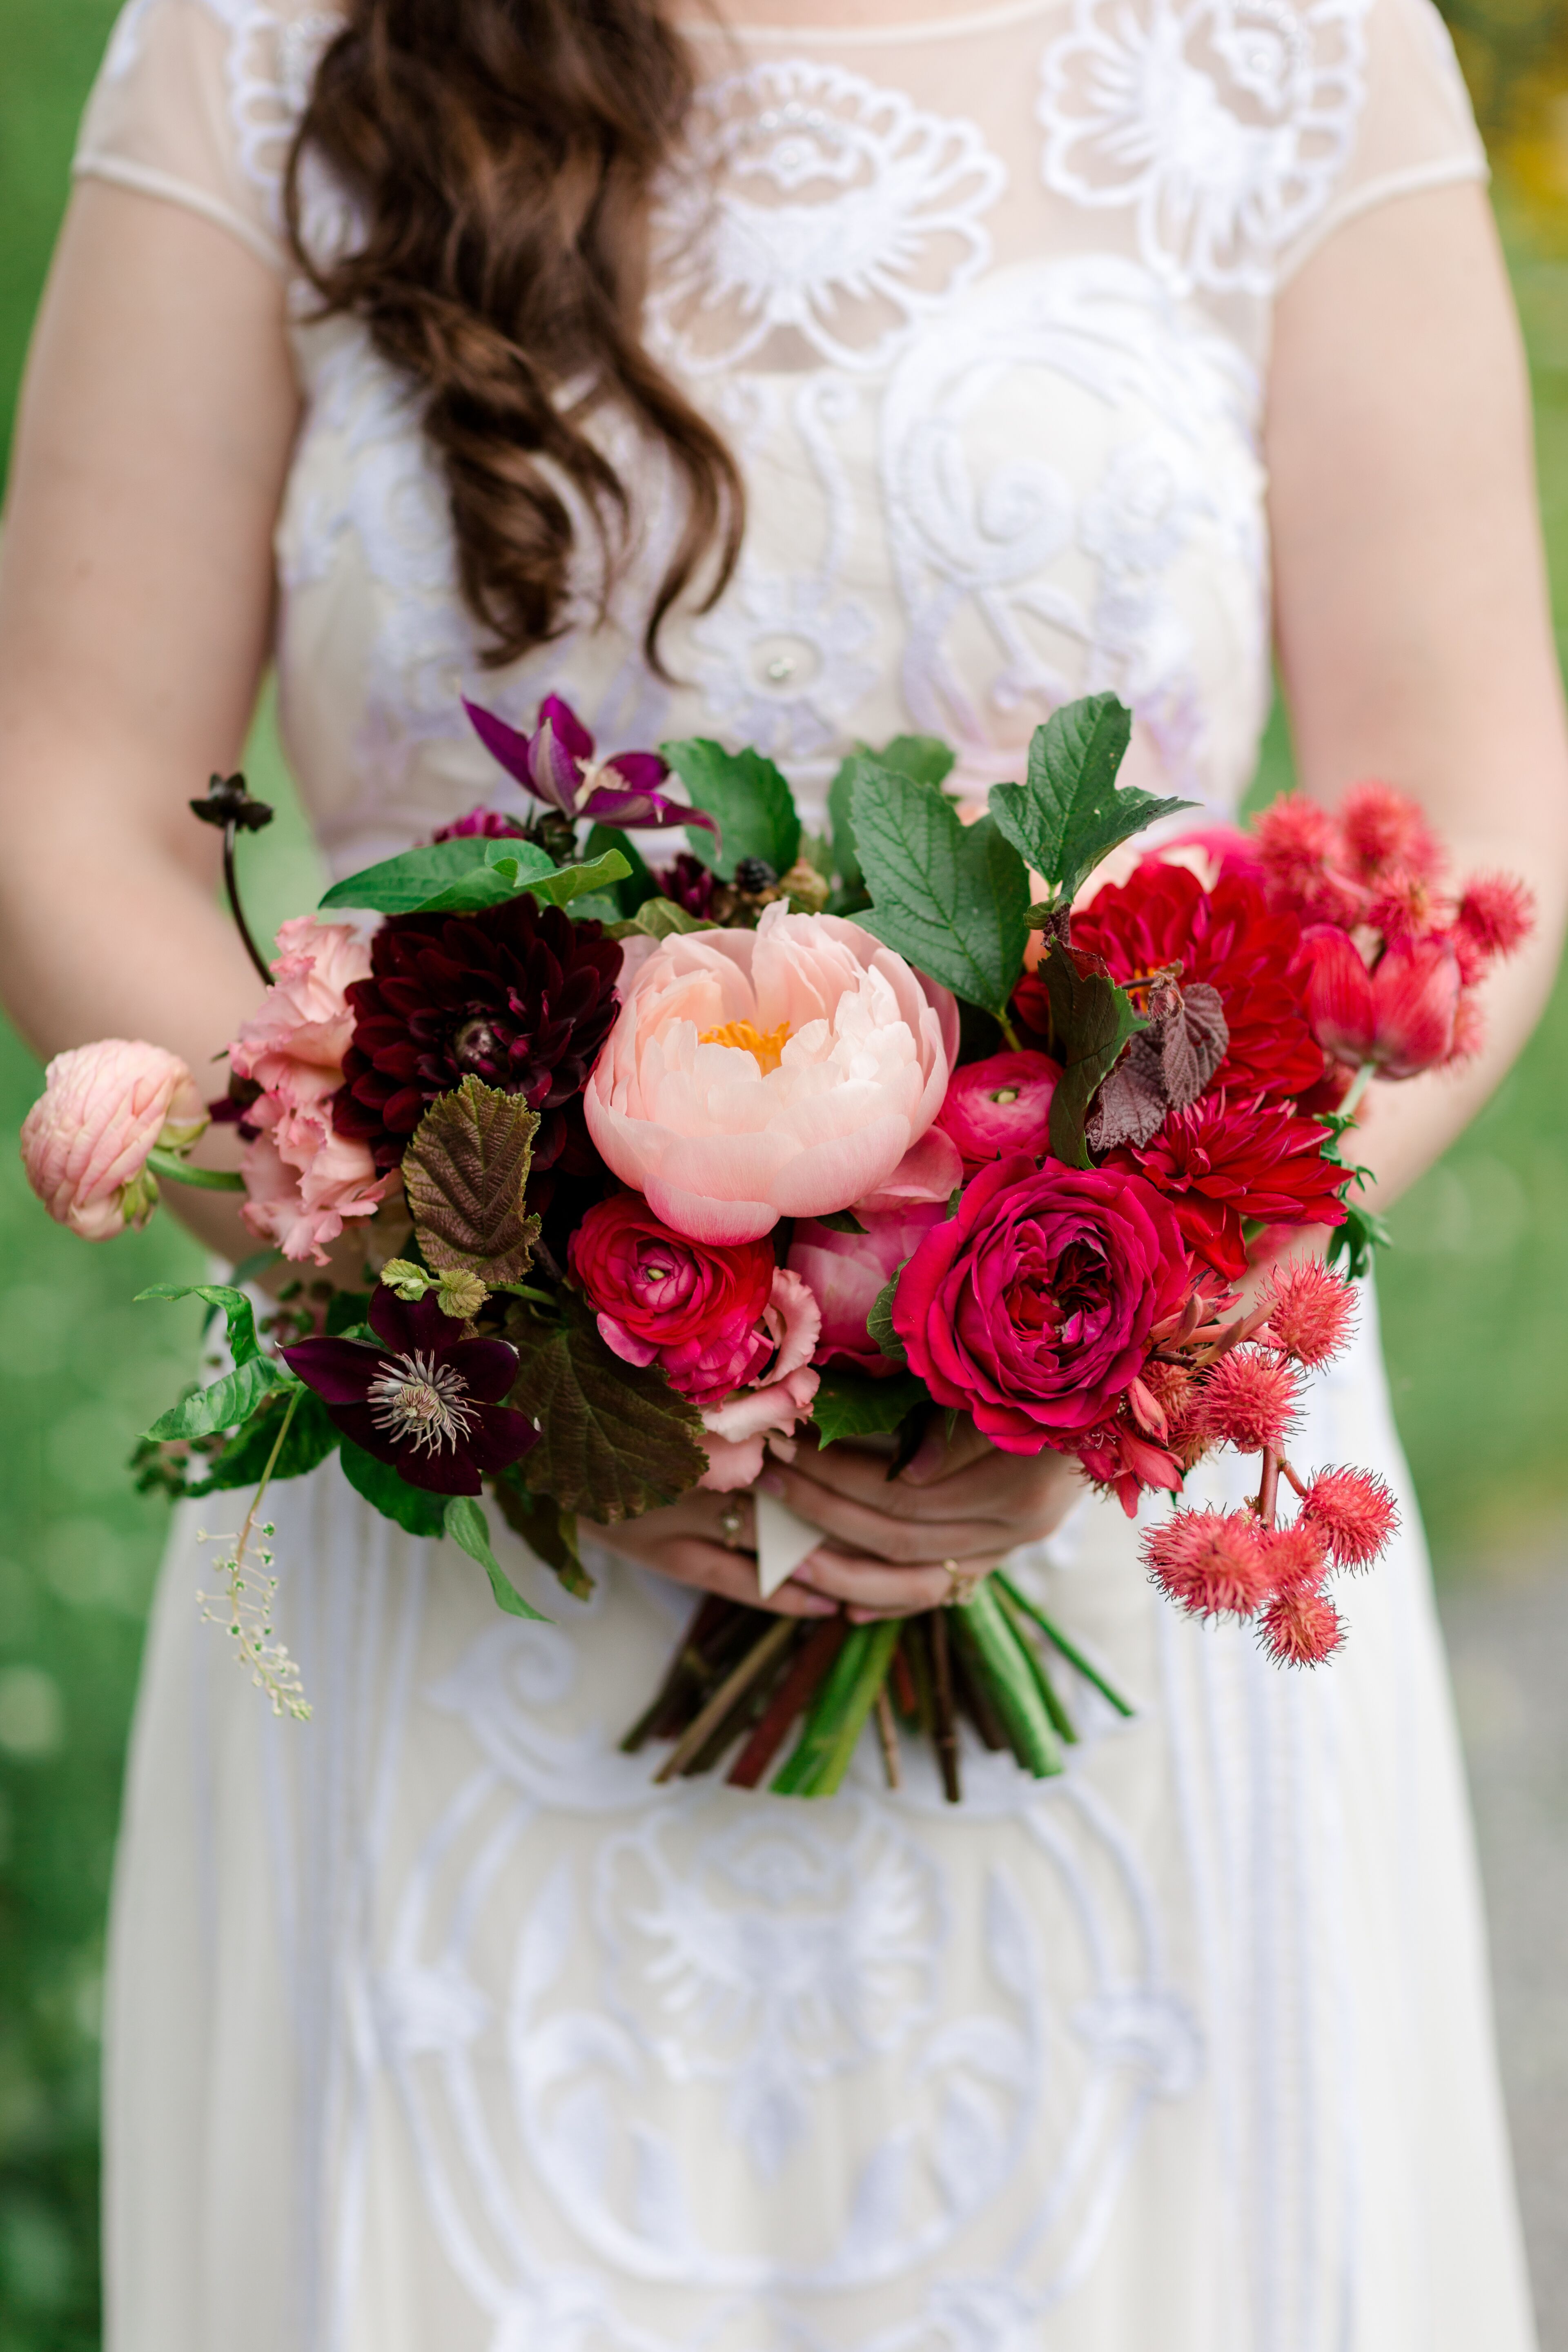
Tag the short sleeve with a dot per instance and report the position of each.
(197, 102)
(1415, 129)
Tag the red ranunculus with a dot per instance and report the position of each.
(999, 1105)
(1223, 1161)
(1032, 1308)
(1163, 915)
(695, 1309)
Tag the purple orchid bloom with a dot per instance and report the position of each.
(428, 1401)
(557, 765)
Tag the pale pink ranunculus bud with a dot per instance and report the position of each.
(847, 1273)
(293, 1046)
(737, 1429)
(303, 1179)
(783, 1072)
(85, 1141)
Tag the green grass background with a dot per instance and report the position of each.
(1474, 1295)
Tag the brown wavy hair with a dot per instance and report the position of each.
(500, 155)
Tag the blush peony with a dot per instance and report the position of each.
(783, 1072)
(694, 1308)
(1033, 1308)
(846, 1273)
(85, 1141)
(999, 1105)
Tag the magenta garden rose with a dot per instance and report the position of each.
(847, 1274)
(999, 1105)
(1033, 1307)
(693, 1308)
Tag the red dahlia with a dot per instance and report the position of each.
(519, 996)
(1163, 915)
(1222, 1161)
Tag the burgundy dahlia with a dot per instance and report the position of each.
(519, 996)
(428, 1400)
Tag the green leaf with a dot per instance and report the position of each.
(413, 1507)
(467, 1525)
(879, 1323)
(451, 877)
(546, 1529)
(312, 1435)
(952, 898)
(841, 1221)
(229, 1402)
(923, 759)
(1091, 1020)
(749, 797)
(658, 919)
(466, 1173)
(637, 883)
(346, 1313)
(569, 882)
(853, 1405)
(1358, 1240)
(243, 1344)
(613, 1440)
(1070, 813)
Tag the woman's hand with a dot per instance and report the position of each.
(687, 1542)
(961, 1501)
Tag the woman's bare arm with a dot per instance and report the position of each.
(1414, 634)
(135, 606)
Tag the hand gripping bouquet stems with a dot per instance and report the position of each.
(657, 1170)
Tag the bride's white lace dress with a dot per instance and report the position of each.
(434, 2027)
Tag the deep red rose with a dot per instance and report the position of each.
(1223, 1161)
(695, 1309)
(1163, 915)
(1032, 1308)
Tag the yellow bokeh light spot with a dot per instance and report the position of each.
(747, 1038)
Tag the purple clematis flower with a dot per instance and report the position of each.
(557, 765)
(428, 1401)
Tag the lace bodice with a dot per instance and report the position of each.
(983, 305)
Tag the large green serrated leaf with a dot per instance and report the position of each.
(853, 1405)
(1091, 1020)
(312, 1436)
(923, 759)
(952, 898)
(237, 1310)
(613, 1440)
(747, 795)
(413, 1508)
(446, 877)
(546, 1529)
(227, 1403)
(466, 1173)
(465, 1524)
(1070, 814)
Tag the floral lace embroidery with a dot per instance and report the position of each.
(812, 205)
(272, 64)
(1223, 124)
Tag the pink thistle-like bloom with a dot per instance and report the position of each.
(1496, 915)
(1249, 1400)
(85, 1141)
(738, 1429)
(1297, 1556)
(1210, 1562)
(1300, 845)
(1311, 1312)
(1384, 834)
(1354, 1512)
(1301, 1628)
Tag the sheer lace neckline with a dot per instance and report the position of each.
(932, 28)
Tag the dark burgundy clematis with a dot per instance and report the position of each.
(428, 1401)
(557, 765)
(519, 996)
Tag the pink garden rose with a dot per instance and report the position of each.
(1032, 1308)
(694, 1308)
(846, 1273)
(783, 1072)
(301, 1177)
(737, 1431)
(1000, 1106)
(85, 1141)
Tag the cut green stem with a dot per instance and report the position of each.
(1069, 1650)
(176, 1170)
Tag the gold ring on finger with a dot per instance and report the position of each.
(960, 1586)
(732, 1526)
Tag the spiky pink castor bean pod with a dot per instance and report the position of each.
(1300, 1627)
(1311, 1312)
(1387, 835)
(1249, 1400)
(1496, 915)
(1211, 1562)
(1296, 1558)
(1354, 1512)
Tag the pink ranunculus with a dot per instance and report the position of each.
(846, 1273)
(1400, 1014)
(85, 1141)
(1033, 1307)
(302, 1179)
(737, 1429)
(695, 1309)
(293, 1046)
(782, 1072)
(1000, 1106)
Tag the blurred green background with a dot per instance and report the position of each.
(1474, 1295)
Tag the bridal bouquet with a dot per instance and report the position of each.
(802, 1140)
